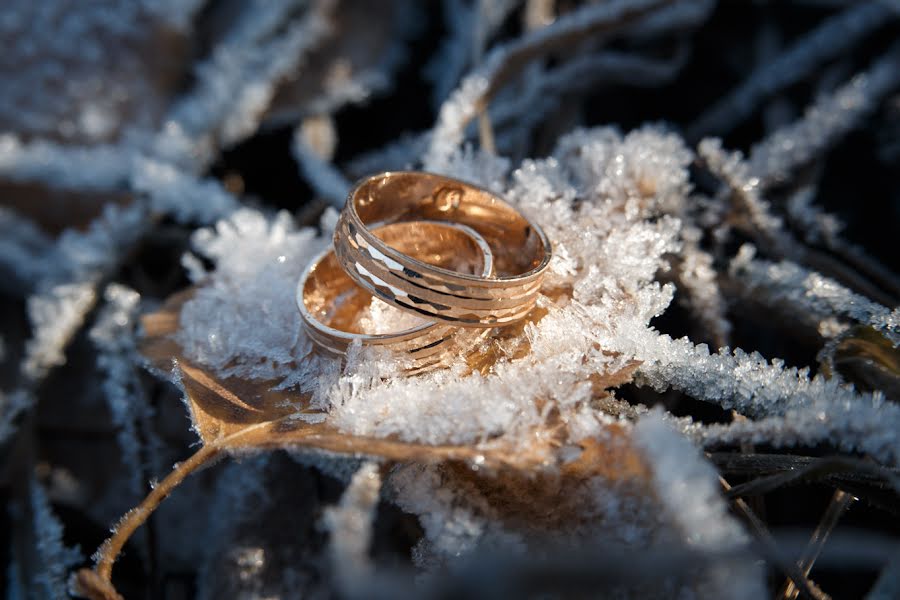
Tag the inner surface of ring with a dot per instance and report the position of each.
(398, 197)
(335, 300)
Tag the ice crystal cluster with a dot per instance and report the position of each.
(602, 422)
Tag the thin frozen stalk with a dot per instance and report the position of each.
(54, 559)
(56, 315)
(524, 109)
(252, 59)
(325, 178)
(505, 61)
(350, 524)
(70, 167)
(811, 293)
(179, 194)
(791, 407)
(830, 117)
(58, 308)
(698, 278)
(113, 334)
(688, 488)
(833, 38)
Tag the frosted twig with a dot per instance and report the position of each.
(698, 279)
(827, 119)
(820, 227)
(184, 197)
(350, 524)
(810, 293)
(504, 62)
(766, 228)
(69, 167)
(238, 81)
(519, 114)
(791, 407)
(470, 24)
(325, 178)
(828, 40)
(46, 571)
(687, 486)
(113, 334)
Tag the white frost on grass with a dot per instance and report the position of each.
(688, 488)
(113, 334)
(350, 524)
(827, 119)
(811, 293)
(54, 558)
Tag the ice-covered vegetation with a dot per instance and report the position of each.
(709, 332)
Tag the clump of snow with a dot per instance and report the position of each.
(688, 488)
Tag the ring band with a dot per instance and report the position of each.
(330, 302)
(521, 250)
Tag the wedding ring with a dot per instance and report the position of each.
(521, 250)
(331, 303)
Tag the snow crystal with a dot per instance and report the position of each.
(245, 321)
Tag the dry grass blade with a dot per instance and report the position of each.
(805, 587)
(839, 503)
(818, 469)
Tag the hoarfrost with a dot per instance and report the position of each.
(830, 117)
(54, 558)
(811, 294)
(113, 334)
(830, 39)
(687, 486)
(350, 525)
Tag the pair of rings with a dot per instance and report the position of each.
(455, 255)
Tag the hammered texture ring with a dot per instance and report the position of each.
(521, 250)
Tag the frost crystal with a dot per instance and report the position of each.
(245, 322)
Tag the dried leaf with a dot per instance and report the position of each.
(235, 413)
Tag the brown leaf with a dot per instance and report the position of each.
(236, 413)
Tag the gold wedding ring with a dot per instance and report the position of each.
(521, 250)
(330, 302)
